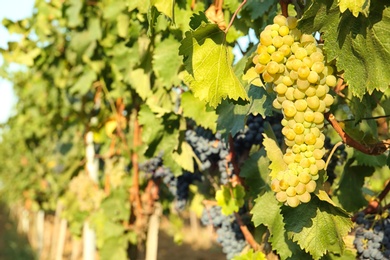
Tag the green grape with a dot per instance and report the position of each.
(276, 104)
(291, 123)
(289, 108)
(300, 53)
(266, 40)
(292, 180)
(283, 184)
(285, 49)
(298, 94)
(317, 57)
(275, 27)
(310, 138)
(280, 89)
(310, 91)
(290, 94)
(318, 154)
(261, 49)
(300, 105)
(287, 81)
(319, 143)
(310, 48)
(317, 66)
(294, 47)
(305, 197)
(277, 41)
(268, 77)
(281, 196)
(280, 20)
(328, 99)
(331, 81)
(320, 164)
(303, 85)
(303, 72)
(307, 38)
(291, 22)
(284, 30)
(293, 75)
(274, 33)
(288, 157)
(296, 64)
(304, 177)
(260, 68)
(313, 77)
(273, 67)
(296, 34)
(275, 186)
(290, 135)
(321, 91)
(293, 201)
(318, 118)
(291, 192)
(303, 147)
(315, 131)
(264, 58)
(311, 186)
(296, 148)
(299, 139)
(300, 188)
(281, 98)
(313, 102)
(299, 128)
(288, 40)
(271, 49)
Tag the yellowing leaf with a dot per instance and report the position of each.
(355, 6)
(110, 127)
(275, 155)
(208, 63)
(185, 157)
(253, 77)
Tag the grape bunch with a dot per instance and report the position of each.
(211, 151)
(252, 134)
(372, 237)
(177, 186)
(228, 231)
(294, 65)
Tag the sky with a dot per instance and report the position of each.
(13, 10)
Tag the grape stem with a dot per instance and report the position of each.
(331, 153)
(371, 149)
(234, 16)
(247, 234)
(284, 6)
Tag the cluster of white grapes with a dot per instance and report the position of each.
(295, 65)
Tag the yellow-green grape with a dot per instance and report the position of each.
(300, 53)
(321, 90)
(260, 68)
(280, 89)
(287, 81)
(290, 94)
(264, 58)
(280, 20)
(281, 196)
(308, 62)
(298, 94)
(313, 77)
(293, 201)
(310, 138)
(304, 177)
(273, 67)
(328, 99)
(288, 40)
(277, 56)
(317, 57)
(311, 186)
(289, 109)
(275, 185)
(299, 128)
(288, 158)
(303, 85)
(283, 30)
(307, 38)
(331, 81)
(313, 102)
(299, 139)
(317, 66)
(305, 197)
(292, 180)
(320, 164)
(276, 104)
(291, 191)
(299, 117)
(283, 184)
(266, 40)
(300, 105)
(300, 188)
(310, 91)
(291, 22)
(318, 154)
(318, 118)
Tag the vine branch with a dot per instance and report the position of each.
(234, 16)
(371, 149)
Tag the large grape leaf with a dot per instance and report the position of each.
(208, 64)
(198, 111)
(355, 6)
(230, 199)
(267, 212)
(164, 6)
(318, 227)
(255, 172)
(360, 45)
(275, 155)
(349, 192)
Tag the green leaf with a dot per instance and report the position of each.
(73, 13)
(349, 192)
(140, 82)
(84, 83)
(251, 255)
(208, 63)
(185, 156)
(230, 199)
(355, 6)
(255, 172)
(275, 155)
(267, 212)
(370, 160)
(198, 111)
(164, 6)
(123, 23)
(318, 227)
(358, 44)
(167, 62)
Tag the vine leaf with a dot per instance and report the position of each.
(230, 199)
(208, 64)
(349, 192)
(267, 212)
(254, 255)
(255, 172)
(198, 111)
(275, 155)
(355, 6)
(318, 227)
(165, 7)
(359, 45)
